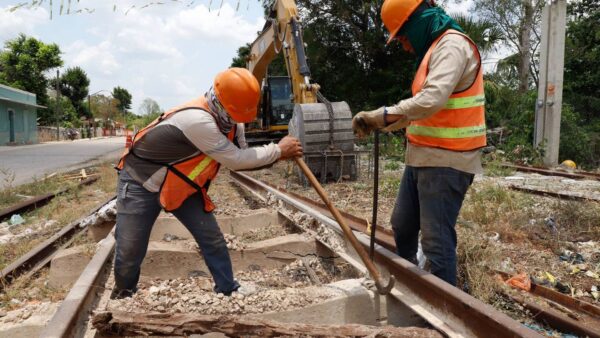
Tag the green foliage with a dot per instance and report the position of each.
(582, 59)
(242, 56)
(123, 98)
(23, 63)
(74, 84)
(484, 33)
(65, 112)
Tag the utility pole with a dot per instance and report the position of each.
(550, 89)
(58, 105)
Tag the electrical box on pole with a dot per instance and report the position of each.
(549, 100)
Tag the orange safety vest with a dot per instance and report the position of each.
(184, 177)
(460, 126)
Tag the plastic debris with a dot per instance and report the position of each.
(550, 277)
(595, 293)
(16, 219)
(520, 281)
(592, 274)
(551, 224)
(563, 288)
(571, 257)
(107, 213)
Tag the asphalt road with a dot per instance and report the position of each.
(22, 164)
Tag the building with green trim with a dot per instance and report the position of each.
(18, 116)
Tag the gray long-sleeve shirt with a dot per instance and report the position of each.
(453, 67)
(187, 134)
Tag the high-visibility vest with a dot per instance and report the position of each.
(460, 126)
(184, 177)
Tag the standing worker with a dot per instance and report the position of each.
(445, 127)
(170, 166)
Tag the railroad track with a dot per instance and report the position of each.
(39, 201)
(578, 174)
(40, 256)
(449, 310)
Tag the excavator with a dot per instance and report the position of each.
(294, 104)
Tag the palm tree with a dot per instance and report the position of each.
(485, 35)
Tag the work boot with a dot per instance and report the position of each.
(120, 294)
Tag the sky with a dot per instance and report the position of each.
(169, 52)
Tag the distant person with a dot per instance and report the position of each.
(170, 166)
(445, 127)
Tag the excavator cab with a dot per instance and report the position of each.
(277, 102)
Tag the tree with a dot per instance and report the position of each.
(582, 59)
(74, 84)
(123, 97)
(149, 107)
(23, 63)
(105, 108)
(519, 22)
(483, 32)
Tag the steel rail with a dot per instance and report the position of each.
(548, 172)
(444, 306)
(75, 308)
(38, 201)
(41, 255)
(554, 194)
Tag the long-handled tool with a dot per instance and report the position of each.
(364, 256)
(375, 193)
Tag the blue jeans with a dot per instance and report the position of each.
(429, 201)
(137, 210)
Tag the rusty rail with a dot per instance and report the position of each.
(455, 312)
(554, 194)
(38, 201)
(68, 321)
(41, 255)
(578, 175)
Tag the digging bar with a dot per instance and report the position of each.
(364, 256)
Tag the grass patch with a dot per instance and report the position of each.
(476, 257)
(497, 209)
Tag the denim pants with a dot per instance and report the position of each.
(429, 201)
(137, 210)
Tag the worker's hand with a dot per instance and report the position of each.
(290, 148)
(396, 122)
(365, 122)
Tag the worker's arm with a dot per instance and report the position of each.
(447, 67)
(240, 135)
(205, 135)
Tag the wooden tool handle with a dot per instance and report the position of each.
(364, 256)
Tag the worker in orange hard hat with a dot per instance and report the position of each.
(170, 166)
(445, 128)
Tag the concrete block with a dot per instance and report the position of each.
(67, 265)
(166, 260)
(176, 259)
(355, 304)
(13, 326)
(99, 232)
(238, 225)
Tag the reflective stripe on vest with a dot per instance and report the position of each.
(466, 102)
(460, 124)
(200, 168)
(447, 132)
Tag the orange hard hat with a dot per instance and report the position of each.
(395, 13)
(239, 93)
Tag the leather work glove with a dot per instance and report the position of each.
(365, 122)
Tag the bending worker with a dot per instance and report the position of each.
(445, 128)
(170, 166)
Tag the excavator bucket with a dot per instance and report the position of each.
(325, 131)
